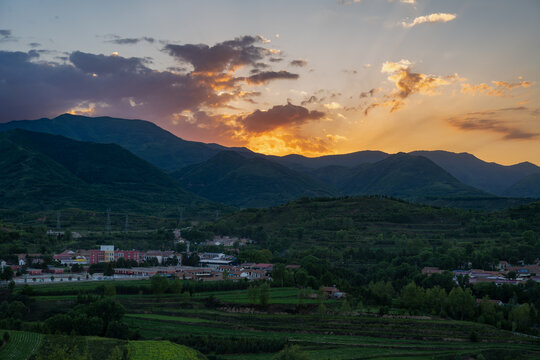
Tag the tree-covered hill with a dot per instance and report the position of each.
(43, 172)
(143, 138)
(368, 229)
(529, 186)
(402, 175)
(233, 179)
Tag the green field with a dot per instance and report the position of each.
(161, 350)
(224, 323)
(21, 345)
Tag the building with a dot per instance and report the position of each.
(214, 260)
(159, 255)
(106, 253)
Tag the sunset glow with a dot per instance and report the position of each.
(280, 77)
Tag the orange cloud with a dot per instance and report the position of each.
(499, 88)
(408, 83)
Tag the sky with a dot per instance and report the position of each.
(311, 77)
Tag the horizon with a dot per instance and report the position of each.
(352, 75)
(310, 157)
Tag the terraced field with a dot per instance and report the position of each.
(21, 346)
(161, 350)
(225, 324)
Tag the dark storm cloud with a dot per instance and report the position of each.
(123, 86)
(131, 41)
(266, 76)
(97, 84)
(221, 57)
(278, 116)
(103, 64)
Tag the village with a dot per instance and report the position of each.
(504, 274)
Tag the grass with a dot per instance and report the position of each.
(331, 336)
(182, 319)
(21, 345)
(161, 350)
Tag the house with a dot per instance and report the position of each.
(158, 255)
(56, 270)
(496, 302)
(215, 260)
(32, 271)
(292, 267)
(431, 270)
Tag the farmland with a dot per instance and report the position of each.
(225, 325)
(162, 350)
(21, 345)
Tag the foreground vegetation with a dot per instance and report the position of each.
(231, 324)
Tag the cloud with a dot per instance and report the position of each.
(278, 116)
(408, 83)
(131, 41)
(224, 56)
(430, 19)
(32, 89)
(128, 86)
(369, 93)
(499, 88)
(266, 76)
(333, 105)
(5, 36)
(477, 122)
(103, 64)
(299, 63)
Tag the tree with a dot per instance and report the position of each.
(264, 294)
(116, 354)
(301, 278)
(278, 274)
(109, 269)
(176, 286)
(109, 290)
(461, 304)
(345, 308)
(159, 284)
(17, 309)
(252, 293)
(521, 318)
(412, 297)
(7, 273)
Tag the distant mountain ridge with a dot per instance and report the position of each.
(172, 153)
(230, 178)
(43, 172)
(143, 138)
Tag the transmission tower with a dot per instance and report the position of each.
(58, 220)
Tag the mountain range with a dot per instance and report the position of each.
(239, 177)
(41, 171)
